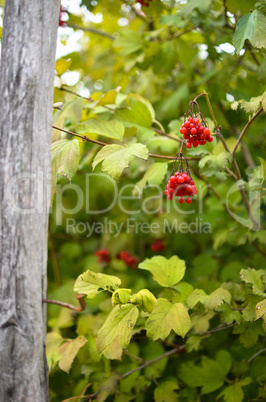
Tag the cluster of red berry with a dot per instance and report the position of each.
(103, 254)
(195, 133)
(129, 260)
(157, 245)
(180, 185)
(144, 3)
(62, 17)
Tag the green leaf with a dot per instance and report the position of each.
(62, 65)
(111, 129)
(165, 391)
(218, 162)
(212, 301)
(91, 283)
(65, 160)
(137, 113)
(120, 322)
(129, 42)
(154, 175)
(144, 299)
(261, 310)
(249, 312)
(252, 27)
(166, 272)
(69, 351)
(253, 105)
(234, 393)
(254, 277)
(203, 6)
(121, 296)
(165, 317)
(113, 351)
(116, 158)
(210, 375)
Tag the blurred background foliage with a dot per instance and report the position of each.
(166, 53)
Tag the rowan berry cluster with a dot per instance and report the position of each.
(157, 245)
(129, 260)
(144, 3)
(103, 255)
(180, 185)
(195, 132)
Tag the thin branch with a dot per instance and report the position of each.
(220, 328)
(134, 356)
(160, 132)
(83, 97)
(173, 157)
(80, 298)
(256, 354)
(91, 30)
(244, 131)
(231, 173)
(83, 137)
(149, 362)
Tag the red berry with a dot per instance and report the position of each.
(172, 179)
(193, 131)
(187, 124)
(196, 120)
(188, 145)
(188, 200)
(209, 138)
(180, 179)
(181, 200)
(207, 131)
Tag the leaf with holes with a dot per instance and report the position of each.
(91, 283)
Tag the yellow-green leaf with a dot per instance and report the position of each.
(120, 323)
(91, 283)
(144, 299)
(65, 160)
(253, 277)
(115, 158)
(166, 272)
(121, 296)
(111, 129)
(261, 310)
(62, 65)
(166, 317)
(69, 351)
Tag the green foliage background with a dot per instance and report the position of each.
(147, 69)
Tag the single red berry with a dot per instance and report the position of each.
(193, 131)
(196, 120)
(207, 131)
(188, 145)
(187, 123)
(180, 179)
(209, 138)
(181, 200)
(188, 200)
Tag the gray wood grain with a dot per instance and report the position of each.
(26, 98)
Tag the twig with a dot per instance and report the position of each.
(244, 130)
(83, 137)
(91, 30)
(80, 298)
(220, 328)
(256, 354)
(173, 157)
(83, 97)
(166, 135)
(231, 173)
(134, 356)
(149, 362)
